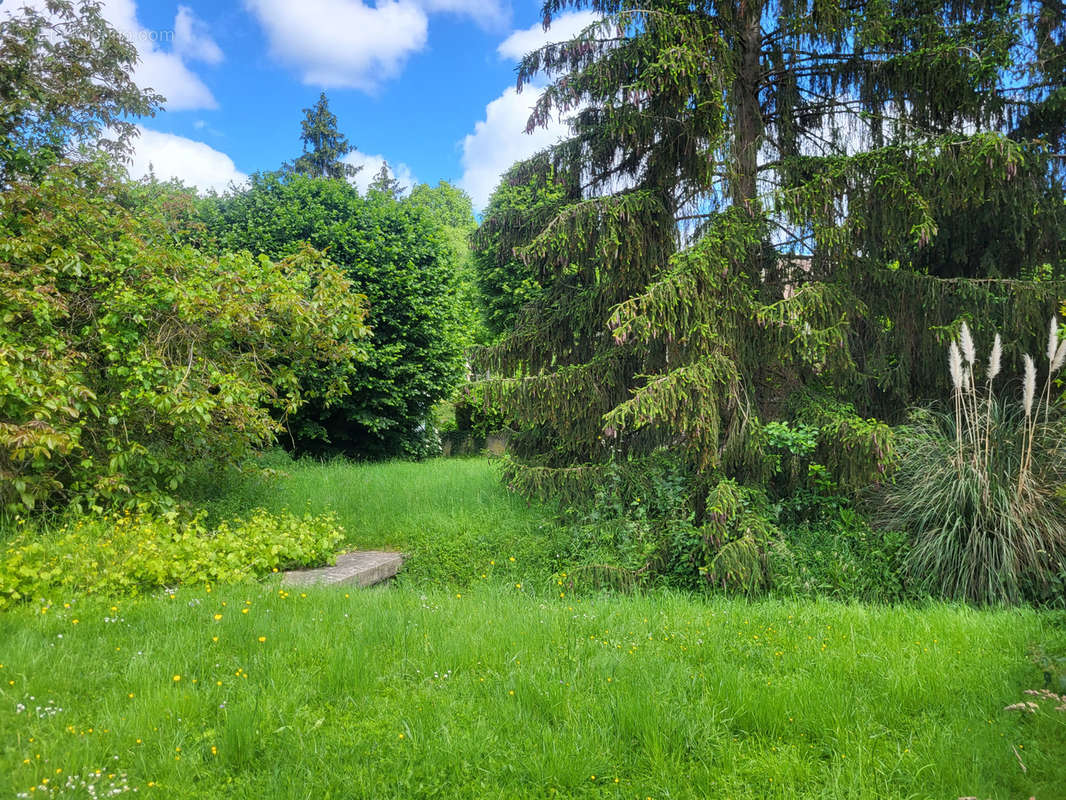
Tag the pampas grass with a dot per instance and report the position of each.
(1029, 384)
(974, 536)
(966, 342)
(976, 489)
(955, 365)
(1060, 357)
(1052, 358)
(995, 360)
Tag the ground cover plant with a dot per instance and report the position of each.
(124, 554)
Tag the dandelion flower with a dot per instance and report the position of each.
(996, 357)
(966, 341)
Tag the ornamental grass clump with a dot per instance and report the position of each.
(976, 486)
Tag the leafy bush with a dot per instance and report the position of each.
(125, 357)
(636, 528)
(843, 557)
(641, 528)
(976, 488)
(129, 555)
(396, 255)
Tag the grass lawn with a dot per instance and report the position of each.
(451, 517)
(497, 687)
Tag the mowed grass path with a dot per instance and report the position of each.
(452, 517)
(504, 689)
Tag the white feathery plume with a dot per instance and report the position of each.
(1030, 384)
(1060, 357)
(966, 340)
(1053, 339)
(996, 357)
(955, 365)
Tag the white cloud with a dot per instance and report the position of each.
(371, 165)
(486, 13)
(499, 140)
(162, 70)
(192, 39)
(342, 43)
(351, 44)
(563, 28)
(191, 162)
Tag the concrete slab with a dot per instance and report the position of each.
(362, 568)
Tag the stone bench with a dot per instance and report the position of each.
(362, 568)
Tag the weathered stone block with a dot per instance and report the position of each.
(362, 568)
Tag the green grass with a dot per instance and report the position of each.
(498, 687)
(497, 693)
(451, 517)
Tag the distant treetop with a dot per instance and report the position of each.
(324, 145)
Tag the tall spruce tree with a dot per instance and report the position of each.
(386, 184)
(1037, 95)
(754, 180)
(324, 145)
(517, 211)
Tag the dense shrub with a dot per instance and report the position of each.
(641, 528)
(397, 256)
(124, 356)
(129, 555)
(636, 528)
(841, 556)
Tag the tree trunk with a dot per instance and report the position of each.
(747, 134)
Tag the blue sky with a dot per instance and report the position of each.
(426, 84)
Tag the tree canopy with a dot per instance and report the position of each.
(65, 80)
(385, 183)
(396, 257)
(758, 185)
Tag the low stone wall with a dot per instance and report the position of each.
(465, 443)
